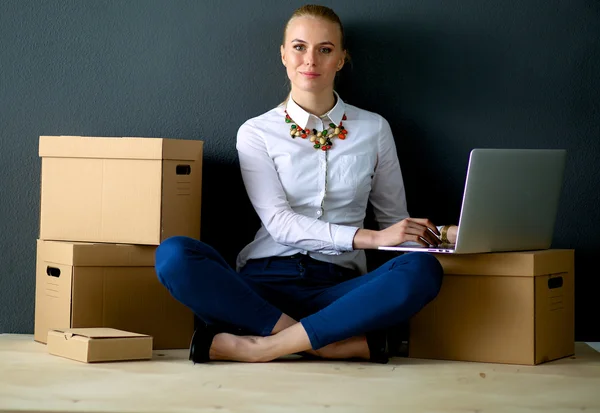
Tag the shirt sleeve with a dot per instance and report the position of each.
(387, 195)
(270, 202)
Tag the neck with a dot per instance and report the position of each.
(315, 103)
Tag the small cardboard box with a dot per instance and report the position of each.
(92, 345)
(119, 190)
(513, 307)
(106, 285)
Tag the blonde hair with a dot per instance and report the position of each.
(317, 11)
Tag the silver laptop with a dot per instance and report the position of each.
(510, 202)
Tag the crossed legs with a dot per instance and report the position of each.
(196, 275)
(288, 337)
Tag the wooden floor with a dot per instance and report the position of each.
(32, 380)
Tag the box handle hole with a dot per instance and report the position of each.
(183, 170)
(555, 282)
(53, 272)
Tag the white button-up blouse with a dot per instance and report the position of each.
(312, 201)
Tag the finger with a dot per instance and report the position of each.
(428, 242)
(424, 232)
(426, 223)
(431, 242)
(420, 240)
(429, 231)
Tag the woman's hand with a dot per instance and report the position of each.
(420, 230)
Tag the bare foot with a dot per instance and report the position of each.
(255, 349)
(227, 346)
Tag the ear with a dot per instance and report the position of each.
(282, 51)
(342, 61)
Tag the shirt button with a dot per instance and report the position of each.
(319, 212)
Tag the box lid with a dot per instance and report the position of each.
(93, 345)
(85, 254)
(518, 263)
(119, 148)
(96, 333)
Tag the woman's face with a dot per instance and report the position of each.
(312, 53)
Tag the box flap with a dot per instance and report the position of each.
(99, 332)
(182, 149)
(118, 147)
(85, 254)
(553, 261)
(518, 263)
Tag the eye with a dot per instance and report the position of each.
(325, 50)
(299, 47)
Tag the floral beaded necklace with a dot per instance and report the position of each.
(321, 140)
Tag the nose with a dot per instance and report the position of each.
(310, 58)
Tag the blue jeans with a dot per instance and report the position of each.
(331, 302)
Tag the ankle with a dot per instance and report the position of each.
(251, 349)
(262, 349)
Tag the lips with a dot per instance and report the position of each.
(310, 74)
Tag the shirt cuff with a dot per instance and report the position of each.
(344, 237)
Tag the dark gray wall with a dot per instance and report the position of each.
(448, 75)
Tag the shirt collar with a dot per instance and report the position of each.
(301, 117)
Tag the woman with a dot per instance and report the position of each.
(310, 166)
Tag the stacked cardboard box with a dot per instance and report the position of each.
(106, 204)
(508, 307)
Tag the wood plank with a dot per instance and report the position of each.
(32, 380)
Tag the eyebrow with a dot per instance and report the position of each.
(302, 41)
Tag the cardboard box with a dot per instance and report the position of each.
(514, 307)
(119, 190)
(106, 285)
(92, 345)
